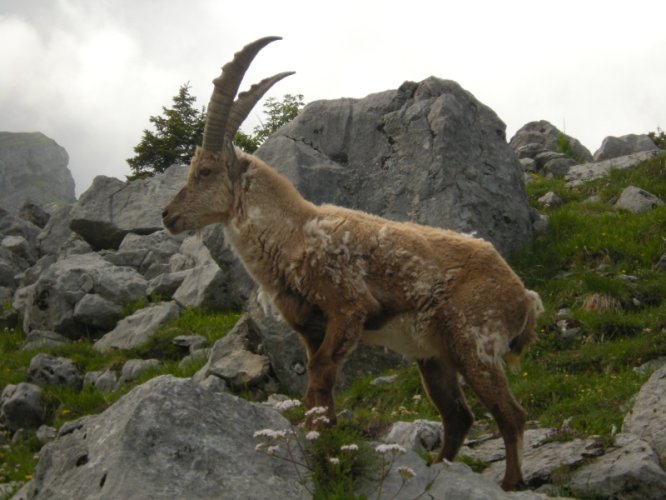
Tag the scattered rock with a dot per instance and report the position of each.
(22, 406)
(538, 137)
(235, 358)
(39, 339)
(637, 200)
(419, 435)
(51, 302)
(136, 329)
(550, 200)
(632, 470)
(97, 312)
(46, 370)
(46, 434)
(386, 380)
(585, 172)
(33, 214)
(134, 368)
(106, 381)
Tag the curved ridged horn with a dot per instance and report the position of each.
(226, 86)
(247, 100)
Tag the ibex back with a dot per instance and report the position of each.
(340, 277)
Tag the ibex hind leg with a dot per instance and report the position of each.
(440, 380)
(488, 381)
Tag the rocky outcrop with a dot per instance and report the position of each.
(613, 147)
(428, 152)
(637, 200)
(168, 438)
(595, 170)
(543, 148)
(33, 168)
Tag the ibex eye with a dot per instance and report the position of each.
(204, 172)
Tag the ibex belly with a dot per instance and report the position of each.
(400, 334)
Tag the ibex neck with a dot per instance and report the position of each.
(267, 223)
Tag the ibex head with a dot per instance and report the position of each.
(208, 196)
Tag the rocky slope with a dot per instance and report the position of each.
(428, 152)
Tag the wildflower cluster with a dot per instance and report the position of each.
(321, 462)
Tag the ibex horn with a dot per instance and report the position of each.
(226, 87)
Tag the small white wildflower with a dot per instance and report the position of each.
(260, 447)
(416, 398)
(334, 461)
(269, 433)
(287, 404)
(390, 448)
(406, 472)
(312, 435)
(272, 450)
(349, 447)
(324, 420)
(316, 410)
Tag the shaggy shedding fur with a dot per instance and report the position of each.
(340, 277)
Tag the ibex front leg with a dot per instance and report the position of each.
(343, 333)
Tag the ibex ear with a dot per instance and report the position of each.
(236, 167)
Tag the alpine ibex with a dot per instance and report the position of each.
(340, 277)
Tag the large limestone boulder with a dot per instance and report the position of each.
(428, 152)
(33, 168)
(111, 208)
(647, 419)
(168, 438)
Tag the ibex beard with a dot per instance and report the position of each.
(340, 277)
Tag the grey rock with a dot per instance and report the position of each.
(32, 274)
(46, 434)
(134, 368)
(168, 438)
(540, 462)
(637, 200)
(105, 381)
(221, 253)
(20, 247)
(207, 287)
(34, 214)
(550, 200)
(539, 136)
(39, 339)
(147, 254)
(419, 435)
(98, 313)
(136, 329)
(451, 481)
(190, 343)
(50, 303)
(111, 208)
(385, 380)
(490, 448)
(647, 419)
(651, 366)
(235, 358)
(428, 152)
(630, 471)
(612, 147)
(47, 370)
(22, 406)
(529, 164)
(165, 285)
(56, 232)
(33, 168)
(288, 359)
(579, 174)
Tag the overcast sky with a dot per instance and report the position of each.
(89, 73)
